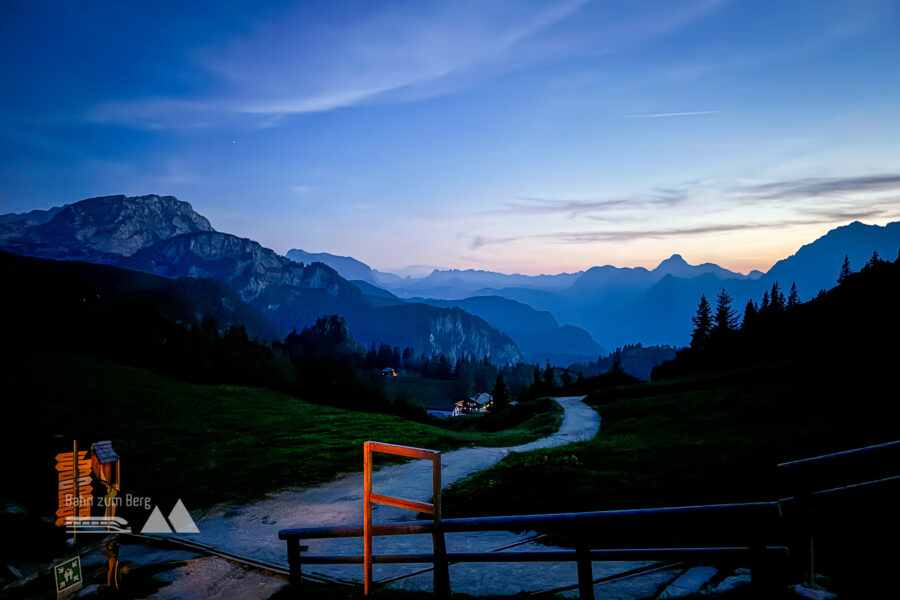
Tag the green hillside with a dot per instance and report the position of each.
(204, 443)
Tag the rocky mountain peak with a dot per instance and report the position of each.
(674, 261)
(122, 224)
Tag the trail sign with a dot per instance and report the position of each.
(69, 484)
(66, 465)
(67, 456)
(74, 475)
(68, 576)
(64, 474)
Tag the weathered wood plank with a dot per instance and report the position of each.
(423, 507)
(408, 451)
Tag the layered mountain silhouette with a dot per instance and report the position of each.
(165, 236)
(458, 312)
(621, 305)
(536, 332)
(445, 284)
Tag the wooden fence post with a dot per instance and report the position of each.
(585, 573)
(293, 547)
(439, 548)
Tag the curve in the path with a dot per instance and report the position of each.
(251, 530)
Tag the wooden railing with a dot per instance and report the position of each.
(753, 534)
(741, 533)
(821, 487)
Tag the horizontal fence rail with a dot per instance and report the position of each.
(752, 533)
(756, 523)
(836, 481)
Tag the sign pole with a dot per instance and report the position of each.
(77, 496)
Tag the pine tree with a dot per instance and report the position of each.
(702, 321)
(845, 270)
(725, 318)
(873, 261)
(776, 298)
(617, 367)
(549, 378)
(750, 313)
(764, 305)
(794, 296)
(500, 394)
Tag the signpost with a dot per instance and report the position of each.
(75, 493)
(68, 576)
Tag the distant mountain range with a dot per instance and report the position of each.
(165, 236)
(446, 284)
(475, 313)
(619, 306)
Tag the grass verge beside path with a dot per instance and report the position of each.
(692, 440)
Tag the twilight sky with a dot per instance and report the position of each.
(521, 136)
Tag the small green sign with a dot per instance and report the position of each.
(68, 575)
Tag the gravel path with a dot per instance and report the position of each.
(251, 530)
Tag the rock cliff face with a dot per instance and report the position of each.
(455, 329)
(101, 228)
(449, 331)
(244, 264)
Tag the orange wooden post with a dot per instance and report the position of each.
(367, 516)
(441, 572)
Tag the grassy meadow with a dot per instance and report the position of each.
(694, 440)
(207, 444)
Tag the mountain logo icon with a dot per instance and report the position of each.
(180, 521)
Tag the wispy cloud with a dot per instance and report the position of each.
(822, 186)
(708, 207)
(692, 113)
(617, 235)
(526, 205)
(302, 63)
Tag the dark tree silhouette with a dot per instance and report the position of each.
(617, 367)
(846, 271)
(500, 394)
(794, 296)
(776, 298)
(873, 261)
(702, 321)
(764, 304)
(549, 378)
(725, 317)
(750, 313)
